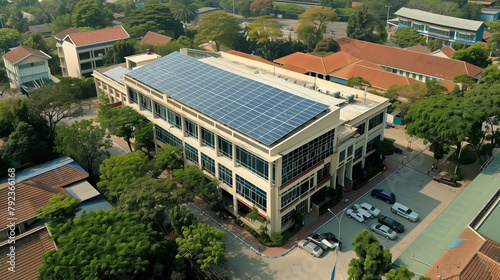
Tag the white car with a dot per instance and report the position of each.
(366, 214)
(383, 230)
(368, 207)
(356, 215)
(403, 211)
(321, 241)
(310, 247)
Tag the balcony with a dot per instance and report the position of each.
(33, 71)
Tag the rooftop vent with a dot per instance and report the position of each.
(336, 94)
(350, 98)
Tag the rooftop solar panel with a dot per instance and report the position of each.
(263, 112)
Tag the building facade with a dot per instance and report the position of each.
(27, 69)
(273, 144)
(444, 28)
(80, 53)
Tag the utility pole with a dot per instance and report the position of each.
(387, 22)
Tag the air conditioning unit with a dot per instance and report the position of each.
(350, 98)
(336, 94)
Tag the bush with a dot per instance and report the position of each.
(385, 147)
(457, 176)
(466, 157)
(277, 239)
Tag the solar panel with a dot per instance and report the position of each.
(262, 112)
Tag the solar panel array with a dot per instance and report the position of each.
(263, 112)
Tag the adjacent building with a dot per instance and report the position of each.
(273, 137)
(444, 28)
(27, 69)
(80, 53)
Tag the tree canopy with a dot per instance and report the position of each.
(122, 122)
(9, 38)
(312, 24)
(117, 53)
(91, 13)
(407, 37)
(218, 27)
(373, 260)
(153, 17)
(169, 157)
(59, 209)
(476, 54)
(180, 217)
(263, 28)
(326, 46)
(362, 26)
(183, 10)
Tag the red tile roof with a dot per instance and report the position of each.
(29, 249)
(448, 85)
(322, 65)
(152, 38)
(486, 35)
(448, 51)
(21, 52)
(294, 68)
(252, 57)
(98, 36)
(419, 48)
(430, 65)
(356, 4)
(61, 35)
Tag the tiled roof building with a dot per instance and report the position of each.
(153, 38)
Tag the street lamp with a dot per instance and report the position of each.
(338, 245)
(388, 7)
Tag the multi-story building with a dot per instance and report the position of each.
(80, 53)
(271, 140)
(444, 28)
(27, 69)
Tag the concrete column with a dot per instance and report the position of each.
(200, 143)
(216, 143)
(341, 175)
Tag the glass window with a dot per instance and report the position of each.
(160, 111)
(174, 119)
(132, 95)
(84, 55)
(361, 129)
(370, 145)
(99, 53)
(167, 137)
(252, 162)
(225, 148)
(191, 153)
(349, 151)
(86, 66)
(99, 63)
(225, 175)
(208, 164)
(207, 137)
(342, 156)
(251, 192)
(145, 103)
(373, 122)
(191, 128)
(287, 218)
(323, 173)
(358, 153)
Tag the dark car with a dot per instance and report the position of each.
(384, 195)
(398, 150)
(445, 179)
(391, 223)
(331, 237)
(321, 241)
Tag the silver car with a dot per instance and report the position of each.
(368, 207)
(384, 230)
(310, 247)
(366, 214)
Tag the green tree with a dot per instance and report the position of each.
(218, 27)
(373, 260)
(59, 209)
(308, 35)
(169, 157)
(326, 46)
(184, 11)
(476, 54)
(152, 198)
(60, 23)
(358, 82)
(201, 243)
(263, 28)
(180, 217)
(490, 75)
(261, 7)
(121, 122)
(412, 92)
(106, 245)
(466, 82)
(117, 53)
(154, 17)
(313, 24)
(80, 88)
(494, 43)
(83, 141)
(91, 13)
(25, 147)
(362, 26)
(434, 87)
(54, 104)
(434, 45)
(9, 38)
(244, 8)
(143, 136)
(17, 21)
(472, 11)
(119, 172)
(402, 273)
(493, 25)
(274, 49)
(407, 37)
(36, 41)
(190, 177)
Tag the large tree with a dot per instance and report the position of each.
(121, 122)
(218, 27)
(362, 25)
(312, 24)
(143, 137)
(17, 20)
(476, 54)
(155, 17)
(180, 216)
(83, 141)
(25, 147)
(59, 209)
(91, 13)
(106, 245)
(373, 260)
(169, 157)
(9, 38)
(263, 28)
(407, 37)
(54, 104)
(36, 41)
(183, 11)
(117, 53)
(402, 273)
(490, 75)
(261, 7)
(494, 43)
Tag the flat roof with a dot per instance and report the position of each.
(261, 111)
(452, 22)
(440, 235)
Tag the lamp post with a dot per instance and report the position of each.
(388, 7)
(338, 245)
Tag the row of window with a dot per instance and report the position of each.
(252, 162)
(96, 53)
(370, 145)
(373, 122)
(295, 193)
(167, 137)
(447, 33)
(191, 153)
(251, 192)
(225, 175)
(207, 163)
(33, 64)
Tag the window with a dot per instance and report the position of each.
(370, 145)
(252, 162)
(145, 103)
(301, 159)
(191, 153)
(361, 129)
(349, 151)
(225, 148)
(404, 22)
(342, 156)
(207, 137)
(358, 153)
(160, 111)
(174, 119)
(373, 122)
(34, 64)
(191, 128)
(225, 175)
(323, 173)
(297, 191)
(84, 55)
(167, 137)
(208, 164)
(132, 95)
(287, 218)
(99, 63)
(439, 31)
(251, 192)
(99, 53)
(86, 66)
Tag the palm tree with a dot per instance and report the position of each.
(17, 21)
(184, 11)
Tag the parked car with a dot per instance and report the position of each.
(321, 241)
(404, 211)
(332, 238)
(368, 207)
(398, 150)
(366, 214)
(356, 215)
(310, 247)
(384, 195)
(391, 223)
(445, 179)
(384, 230)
